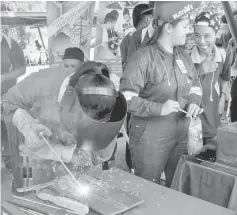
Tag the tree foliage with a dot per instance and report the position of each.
(21, 34)
(23, 6)
(214, 6)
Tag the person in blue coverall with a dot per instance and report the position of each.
(158, 81)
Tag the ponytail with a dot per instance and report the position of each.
(156, 35)
(159, 30)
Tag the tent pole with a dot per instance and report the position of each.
(230, 18)
(41, 37)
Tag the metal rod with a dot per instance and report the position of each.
(183, 111)
(36, 187)
(230, 18)
(46, 205)
(29, 208)
(60, 160)
(28, 211)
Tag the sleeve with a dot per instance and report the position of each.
(17, 56)
(228, 59)
(195, 94)
(22, 95)
(133, 82)
(124, 50)
(223, 39)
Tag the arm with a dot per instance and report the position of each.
(195, 95)
(22, 95)
(14, 74)
(18, 63)
(226, 72)
(132, 83)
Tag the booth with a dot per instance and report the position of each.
(199, 186)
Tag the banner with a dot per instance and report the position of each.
(69, 25)
(113, 22)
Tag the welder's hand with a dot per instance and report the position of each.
(193, 111)
(30, 128)
(82, 157)
(32, 138)
(169, 107)
(209, 66)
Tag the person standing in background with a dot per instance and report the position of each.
(223, 38)
(13, 66)
(142, 17)
(73, 59)
(224, 34)
(213, 68)
(13, 63)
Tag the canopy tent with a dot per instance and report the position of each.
(34, 19)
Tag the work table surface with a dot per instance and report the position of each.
(158, 199)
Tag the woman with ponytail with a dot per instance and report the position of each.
(159, 82)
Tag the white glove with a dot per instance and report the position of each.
(30, 128)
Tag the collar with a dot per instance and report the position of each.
(130, 31)
(66, 94)
(218, 58)
(164, 53)
(68, 98)
(146, 30)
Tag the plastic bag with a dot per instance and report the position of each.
(195, 141)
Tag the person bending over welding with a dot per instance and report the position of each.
(81, 125)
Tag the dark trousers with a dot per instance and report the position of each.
(156, 146)
(233, 110)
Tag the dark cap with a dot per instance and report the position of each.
(139, 11)
(149, 10)
(74, 53)
(169, 11)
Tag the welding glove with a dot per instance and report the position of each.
(30, 128)
(65, 153)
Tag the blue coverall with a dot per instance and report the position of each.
(152, 77)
